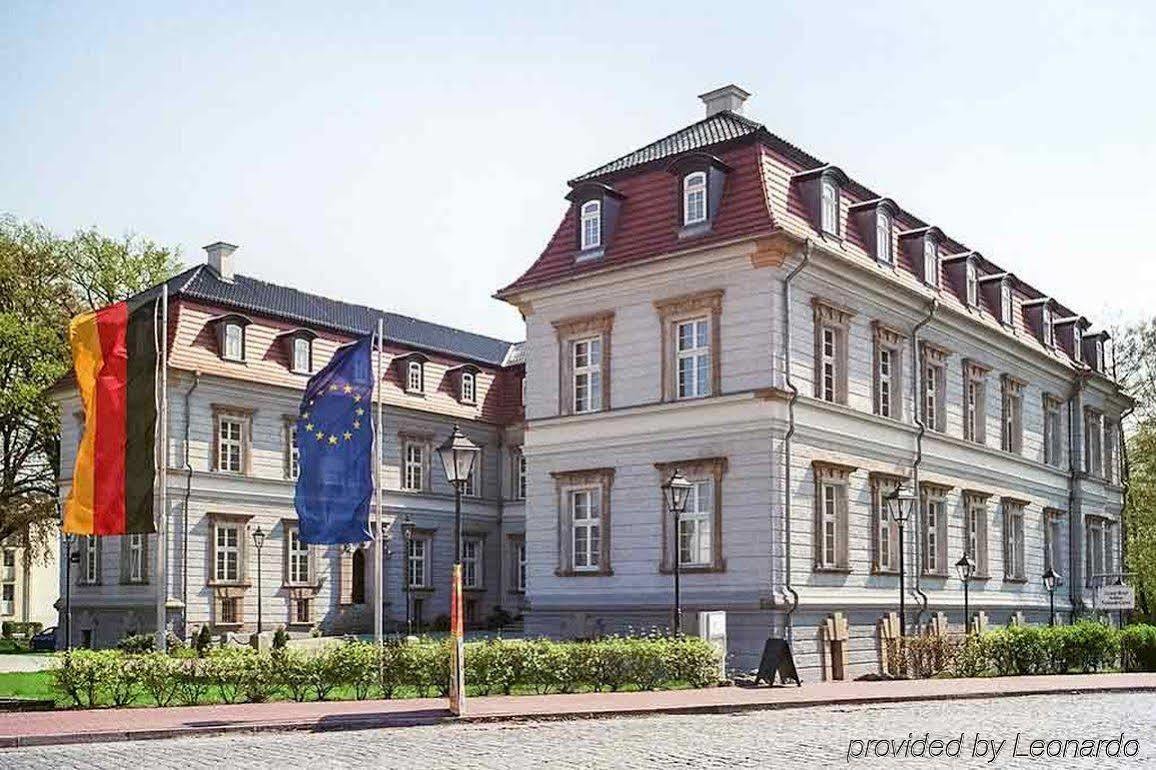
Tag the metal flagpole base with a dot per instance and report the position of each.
(457, 648)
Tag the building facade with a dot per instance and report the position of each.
(241, 352)
(28, 585)
(722, 302)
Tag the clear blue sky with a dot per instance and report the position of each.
(413, 156)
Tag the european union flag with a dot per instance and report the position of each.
(335, 449)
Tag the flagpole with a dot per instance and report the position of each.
(161, 558)
(378, 543)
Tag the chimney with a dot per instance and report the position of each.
(726, 98)
(220, 258)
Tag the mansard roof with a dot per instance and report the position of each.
(244, 294)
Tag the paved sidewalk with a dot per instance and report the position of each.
(20, 662)
(44, 728)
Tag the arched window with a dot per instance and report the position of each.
(469, 391)
(357, 583)
(694, 198)
(830, 211)
(1046, 323)
(1006, 303)
(413, 382)
(234, 342)
(302, 355)
(883, 237)
(591, 225)
(972, 286)
(930, 263)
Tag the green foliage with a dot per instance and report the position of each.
(159, 675)
(203, 641)
(1138, 648)
(1015, 650)
(17, 628)
(136, 644)
(84, 675)
(971, 657)
(194, 677)
(280, 639)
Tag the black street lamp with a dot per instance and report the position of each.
(966, 568)
(259, 542)
(1051, 580)
(675, 492)
(69, 557)
(901, 502)
(407, 535)
(458, 455)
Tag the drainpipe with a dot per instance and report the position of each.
(915, 372)
(185, 507)
(1074, 521)
(1126, 483)
(794, 595)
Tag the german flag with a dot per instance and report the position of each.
(114, 353)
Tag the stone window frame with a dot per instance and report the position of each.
(1053, 518)
(288, 426)
(1014, 508)
(518, 470)
(1053, 433)
(711, 469)
(929, 492)
(288, 526)
(828, 315)
(1093, 461)
(1108, 441)
(86, 544)
(881, 484)
(975, 418)
(426, 442)
(245, 415)
(931, 355)
(886, 338)
(575, 329)
(1012, 394)
(837, 475)
(1093, 524)
(425, 535)
(479, 537)
(982, 557)
(515, 574)
(125, 555)
(564, 483)
(241, 521)
(674, 310)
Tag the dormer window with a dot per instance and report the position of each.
(1048, 331)
(302, 355)
(231, 336)
(883, 238)
(415, 377)
(829, 219)
(694, 198)
(931, 262)
(1005, 303)
(972, 285)
(466, 377)
(591, 224)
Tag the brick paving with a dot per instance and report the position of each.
(807, 737)
(45, 728)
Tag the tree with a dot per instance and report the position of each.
(1135, 366)
(45, 280)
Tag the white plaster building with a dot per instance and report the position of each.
(723, 302)
(241, 351)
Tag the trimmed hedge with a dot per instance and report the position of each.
(362, 670)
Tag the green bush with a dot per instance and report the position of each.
(1138, 647)
(11, 628)
(1016, 650)
(159, 675)
(203, 641)
(84, 675)
(1093, 646)
(194, 677)
(137, 644)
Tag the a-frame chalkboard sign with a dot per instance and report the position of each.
(777, 658)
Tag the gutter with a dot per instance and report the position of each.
(794, 595)
(1126, 483)
(185, 507)
(915, 372)
(1074, 542)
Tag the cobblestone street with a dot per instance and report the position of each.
(816, 737)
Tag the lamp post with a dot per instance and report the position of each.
(675, 492)
(69, 556)
(259, 542)
(966, 568)
(1051, 580)
(900, 501)
(407, 536)
(458, 455)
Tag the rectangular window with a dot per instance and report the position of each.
(136, 566)
(472, 487)
(933, 513)
(1053, 432)
(1013, 535)
(883, 238)
(520, 566)
(293, 466)
(830, 209)
(974, 404)
(692, 357)
(972, 286)
(975, 531)
(301, 355)
(301, 612)
(830, 357)
(1012, 416)
(694, 526)
(1109, 451)
(884, 370)
(471, 563)
(230, 432)
(520, 476)
(8, 599)
(298, 558)
(930, 263)
(1053, 551)
(230, 610)
(884, 530)
(1049, 332)
(417, 562)
(413, 477)
(1097, 551)
(933, 394)
(1093, 450)
(90, 572)
(228, 553)
(587, 368)
(586, 515)
(1005, 303)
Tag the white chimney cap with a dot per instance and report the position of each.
(729, 97)
(220, 258)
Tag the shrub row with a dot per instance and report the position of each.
(1024, 650)
(362, 670)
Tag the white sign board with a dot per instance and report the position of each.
(1115, 598)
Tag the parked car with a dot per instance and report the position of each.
(45, 641)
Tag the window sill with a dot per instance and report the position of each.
(589, 255)
(831, 570)
(228, 584)
(228, 626)
(421, 590)
(939, 575)
(584, 572)
(693, 569)
(474, 590)
(889, 571)
(1007, 579)
(134, 582)
(314, 586)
